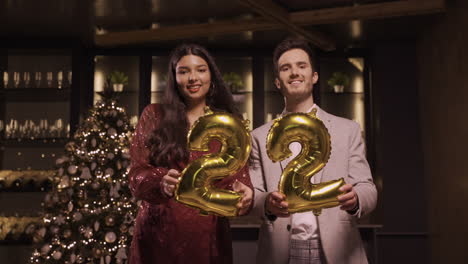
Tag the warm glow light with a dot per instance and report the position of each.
(100, 31)
(359, 115)
(99, 82)
(248, 35)
(358, 84)
(358, 63)
(154, 81)
(356, 28)
(248, 81)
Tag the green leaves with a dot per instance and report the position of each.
(339, 78)
(233, 81)
(117, 77)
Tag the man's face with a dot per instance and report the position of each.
(295, 74)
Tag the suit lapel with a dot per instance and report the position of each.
(325, 118)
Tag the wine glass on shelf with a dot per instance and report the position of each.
(16, 79)
(22, 130)
(69, 76)
(59, 126)
(7, 131)
(29, 129)
(38, 79)
(5, 79)
(59, 79)
(27, 79)
(26, 130)
(13, 128)
(49, 79)
(43, 128)
(35, 130)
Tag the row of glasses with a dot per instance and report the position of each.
(25, 79)
(32, 130)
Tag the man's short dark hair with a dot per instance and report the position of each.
(289, 44)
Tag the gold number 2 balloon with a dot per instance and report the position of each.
(295, 181)
(195, 188)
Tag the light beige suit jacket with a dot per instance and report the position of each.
(339, 235)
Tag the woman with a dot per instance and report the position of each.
(165, 230)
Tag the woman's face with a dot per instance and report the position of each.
(193, 78)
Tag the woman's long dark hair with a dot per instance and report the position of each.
(168, 143)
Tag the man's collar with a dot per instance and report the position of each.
(308, 110)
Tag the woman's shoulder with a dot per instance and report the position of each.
(154, 107)
(153, 110)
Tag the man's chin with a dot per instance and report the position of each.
(297, 95)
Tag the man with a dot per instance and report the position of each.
(333, 236)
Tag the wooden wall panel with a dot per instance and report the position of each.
(443, 89)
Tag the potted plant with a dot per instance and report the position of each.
(234, 82)
(118, 80)
(338, 81)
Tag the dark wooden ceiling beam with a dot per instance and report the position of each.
(367, 11)
(303, 18)
(184, 31)
(275, 13)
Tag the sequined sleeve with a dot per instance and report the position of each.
(145, 178)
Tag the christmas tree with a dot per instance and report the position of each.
(89, 214)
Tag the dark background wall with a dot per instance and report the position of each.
(420, 101)
(398, 162)
(443, 104)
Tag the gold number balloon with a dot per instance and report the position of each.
(195, 188)
(295, 181)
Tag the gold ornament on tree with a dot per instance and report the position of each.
(57, 255)
(67, 233)
(45, 249)
(123, 228)
(110, 237)
(195, 188)
(77, 216)
(110, 220)
(97, 252)
(72, 169)
(295, 181)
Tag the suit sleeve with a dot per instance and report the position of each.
(359, 173)
(258, 179)
(144, 178)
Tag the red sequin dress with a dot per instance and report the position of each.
(165, 230)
